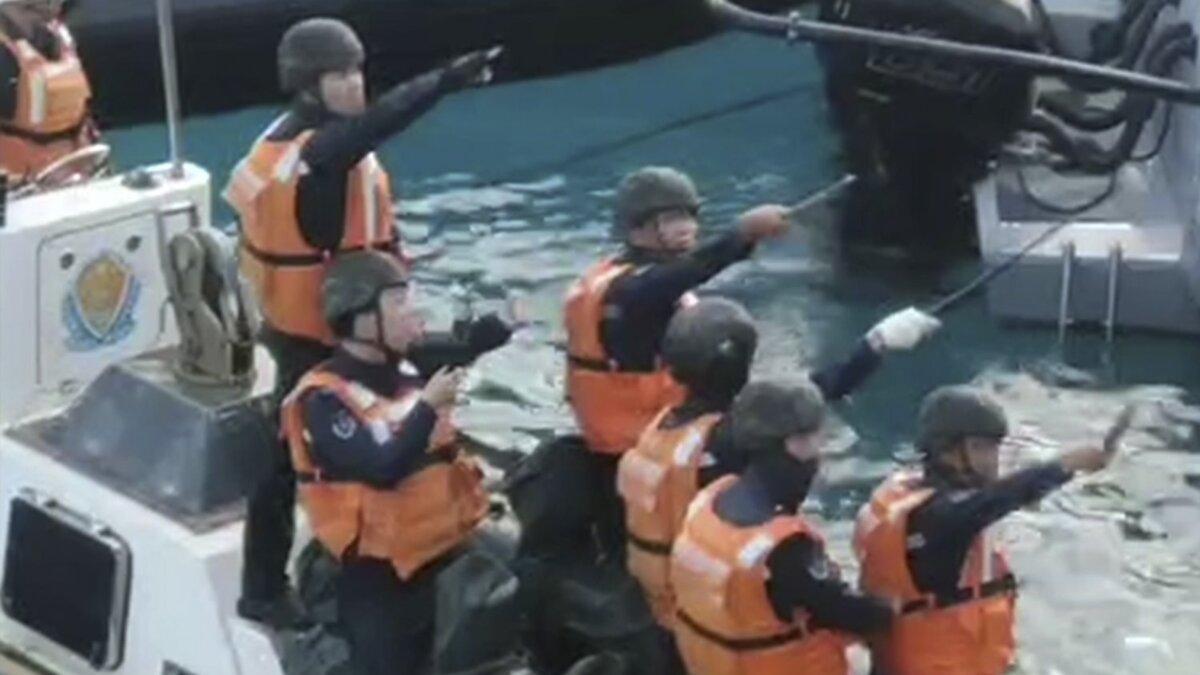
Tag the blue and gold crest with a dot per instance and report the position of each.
(98, 307)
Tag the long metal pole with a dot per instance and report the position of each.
(795, 28)
(166, 45)
(821, 195)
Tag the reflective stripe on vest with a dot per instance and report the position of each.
(726, 624)
(372, 172)
(284, 270)
(657, 480)
(969, 628)
(428, 514)
(611, 406)
(51, 115)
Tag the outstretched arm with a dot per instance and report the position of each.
(803, 578)
(899, 331)
(460, 347)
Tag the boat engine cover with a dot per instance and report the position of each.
(905, 111)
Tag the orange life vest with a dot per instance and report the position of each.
(969, 632)
(725, 624)
(51, 119)
(611, 406)
(420, 519)
(658, 479)
(284, 270)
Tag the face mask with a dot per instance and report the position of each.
(788, 479)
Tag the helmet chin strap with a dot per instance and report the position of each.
(381, 344)
(312, 97)
(962, 474)
(658, 235)
(392, 356)
(967, 473)
(660, 251)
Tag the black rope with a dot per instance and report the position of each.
(1072, 210)
(1096, 118)
(1053, 41)
(1107, 38)
(1161, 141)
(601, 149)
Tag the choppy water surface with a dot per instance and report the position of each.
(1109, 565)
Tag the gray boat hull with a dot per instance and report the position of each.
(1133, 261)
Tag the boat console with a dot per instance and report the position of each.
(133, 423)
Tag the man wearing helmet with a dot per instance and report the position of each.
(309, 190)
(708, 349)
(924, 541)
(44, 92)
(311, 186)
(386, 487)
(617, 312)
(756, 591)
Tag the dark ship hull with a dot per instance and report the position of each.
(226, 48)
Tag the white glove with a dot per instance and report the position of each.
(901, 331)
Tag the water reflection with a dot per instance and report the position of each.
(1108, 565)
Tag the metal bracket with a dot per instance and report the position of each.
(1064, 291)
(192, 211)
(794, 18)
(1115, 257)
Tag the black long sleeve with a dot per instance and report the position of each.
(803, 577)
(345, 449)
(639, 305)
(459, 347)
(942, 530)
(842, 378)
(341, 143)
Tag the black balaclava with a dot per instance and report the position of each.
(764, 416)
(786, 479)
